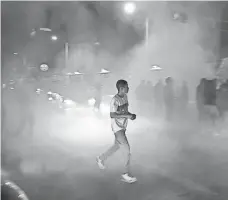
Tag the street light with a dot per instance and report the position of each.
(44, 67)
(155, 68)
(104, 71)
(54, 37)
(129, 8)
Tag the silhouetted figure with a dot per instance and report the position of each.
(184, 98)
(169, 98)
(98, 96)
(200, 100)
(222, 99)
(209, 89)
(149, 88)
(210, 111)
(158, 97)
(149, 96)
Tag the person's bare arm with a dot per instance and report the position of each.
(117, 116)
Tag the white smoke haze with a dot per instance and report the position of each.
(174, 46)
(67, 144)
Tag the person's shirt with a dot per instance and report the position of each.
(119, 105)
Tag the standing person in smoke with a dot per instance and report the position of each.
(98, 97)
(169, 98)
(208, 89)
(184, 97)
(158, 97)
(222, 99)
(150, 90)
(119, 118)
(199, 100)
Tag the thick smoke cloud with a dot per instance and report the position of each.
(179, 48)
(176, 47)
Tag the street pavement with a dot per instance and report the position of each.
(172, 161)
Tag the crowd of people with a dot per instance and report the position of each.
(212, 101)
(166, 99)
(162, 99)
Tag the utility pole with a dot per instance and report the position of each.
(147, 32)
(66, 53)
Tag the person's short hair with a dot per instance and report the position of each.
(121, 83)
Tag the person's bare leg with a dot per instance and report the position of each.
(110, 151)
(101, 159)
(125, 148)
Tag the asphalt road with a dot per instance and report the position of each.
(171, 161)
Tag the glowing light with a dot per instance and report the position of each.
(104, 71)
(33, 33)
(78, 73)
(91, 102)
(38, 91)
(45, 29)
(129, 8)
(44, 67)
(54, 37)
(176, 16)
(69, 74)
(155, 67)
(69, 102)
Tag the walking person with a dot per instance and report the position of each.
(119, 119)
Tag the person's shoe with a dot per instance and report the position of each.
(100, 163)
(128, 179)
